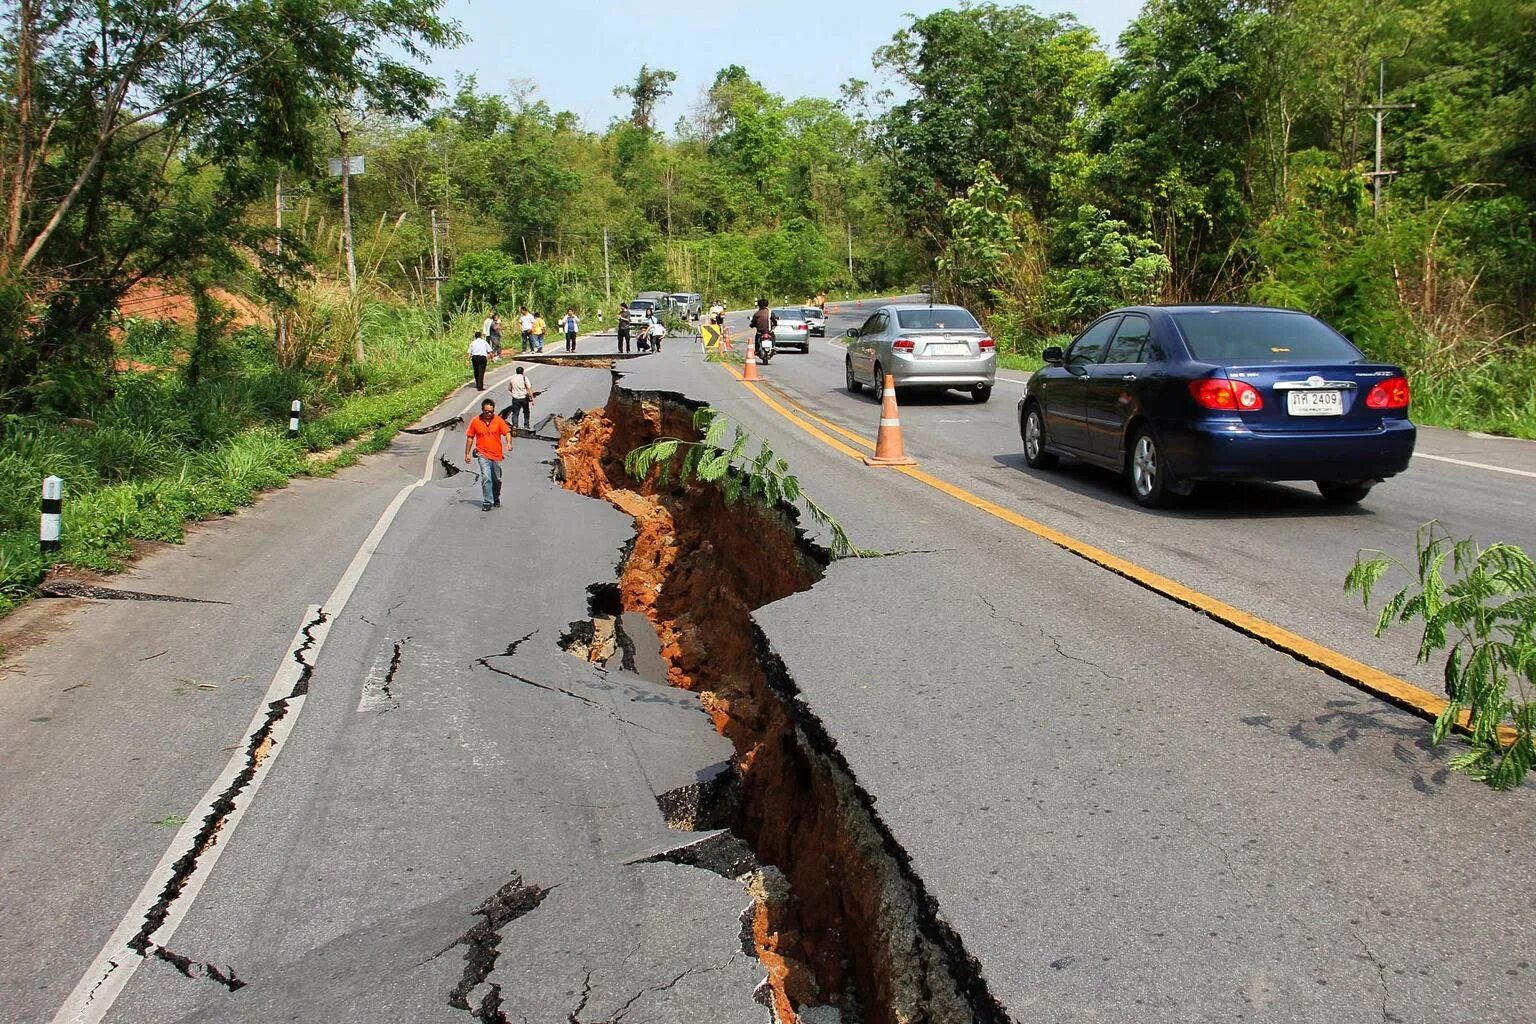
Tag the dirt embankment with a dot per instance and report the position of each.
(859, 931)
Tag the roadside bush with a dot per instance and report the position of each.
(1482, 617)
(163, 451)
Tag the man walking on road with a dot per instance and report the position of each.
(522, 398)
(479, 355)
(572, 325)
(490, 439)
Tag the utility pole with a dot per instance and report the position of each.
(437, 269)
(607, 277)
(346, 207)
(1379, 111)
(280, 203)
(850, 253)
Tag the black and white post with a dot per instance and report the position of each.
(53, 510)
(293, 417)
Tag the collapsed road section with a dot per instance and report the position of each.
(860, 932)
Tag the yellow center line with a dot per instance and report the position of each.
(1341, 666)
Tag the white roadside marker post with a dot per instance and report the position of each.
(293, 418)
(53, 509)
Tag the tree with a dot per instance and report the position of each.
(1002, 84)
(651, 86)
(136, 134)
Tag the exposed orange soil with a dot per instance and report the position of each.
(697, 568)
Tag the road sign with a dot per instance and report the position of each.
(354, 166)
(711, 335)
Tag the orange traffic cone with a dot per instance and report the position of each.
(888, 447)
(749, 372)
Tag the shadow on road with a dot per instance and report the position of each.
(1347, 722)
(1210, 500)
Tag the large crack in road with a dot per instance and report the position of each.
(842, 918)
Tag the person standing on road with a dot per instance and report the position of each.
(539, 328)
(491, 331)
(622, 331)
(525, 325)
(522, 399)
(489, 439)
(479, 355)
(572, 325)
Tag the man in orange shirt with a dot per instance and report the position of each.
(490, 439)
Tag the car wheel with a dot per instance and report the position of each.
(854, 387)
(878, 386)
(1148, 472)
(1033, 432)
(1344, 492)
(981, 393)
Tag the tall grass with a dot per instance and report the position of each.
(161, 452)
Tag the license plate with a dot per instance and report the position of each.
(947, 348)
(1315, 403)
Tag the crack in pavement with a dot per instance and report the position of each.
(483, 946)
(485, 662)
(200, 969)
(433, 428)
(69, 588)
(258, 746)
(1100, 669)
(619, 1014)
(394, 666)
(574, 1017)
(1381, 974)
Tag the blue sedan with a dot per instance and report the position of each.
(1171, 395)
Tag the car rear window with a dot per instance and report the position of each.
(789, 314)
(1249, 336)
(810, 311)
(936, 319)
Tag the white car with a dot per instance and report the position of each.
(791, 329)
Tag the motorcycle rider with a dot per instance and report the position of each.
(763, 321)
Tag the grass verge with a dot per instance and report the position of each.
(163, 452)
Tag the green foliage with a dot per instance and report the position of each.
(142, 133)
(164, 451)
(1482, 614)
(1111, 266)
(720, 459)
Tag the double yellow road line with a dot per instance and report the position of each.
(1342, 667)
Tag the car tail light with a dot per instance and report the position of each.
(987, 344)
(903, 345)
(1392, 393)
(1226, 395)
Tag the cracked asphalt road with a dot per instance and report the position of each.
(446, 744)
(1123, 809)
(1126, 810)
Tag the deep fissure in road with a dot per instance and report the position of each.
(860, 930)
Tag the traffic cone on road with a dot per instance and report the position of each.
(749, 372)
(888, 447)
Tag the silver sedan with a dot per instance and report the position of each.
(938, 347)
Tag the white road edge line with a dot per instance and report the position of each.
(1475, 465)
(115, 965)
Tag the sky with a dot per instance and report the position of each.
(577, 51)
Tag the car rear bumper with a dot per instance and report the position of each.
(1228, 450)
(911, 372)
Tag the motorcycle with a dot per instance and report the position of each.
(764, 348)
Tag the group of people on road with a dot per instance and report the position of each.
(486, 344)
(643, 326)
